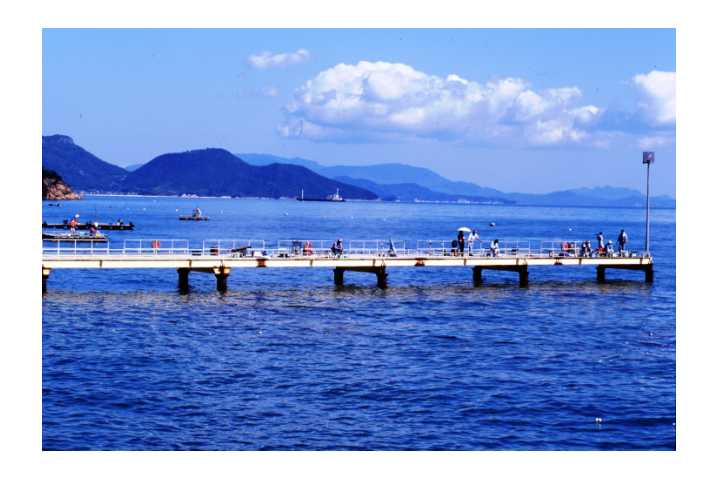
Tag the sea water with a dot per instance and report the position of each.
(285, 360)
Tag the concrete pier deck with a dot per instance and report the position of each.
(220, 263)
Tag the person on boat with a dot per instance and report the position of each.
(460, 242)
(73, 223)
(196, 212)
(622, 241)
(473, 237)
(93, 230)
(494, 248)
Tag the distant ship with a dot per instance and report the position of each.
(335, 197)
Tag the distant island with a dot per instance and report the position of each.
(217, 172)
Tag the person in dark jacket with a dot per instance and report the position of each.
(622, 240)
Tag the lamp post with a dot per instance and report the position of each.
(647, 159)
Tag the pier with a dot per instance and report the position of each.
(376, 257)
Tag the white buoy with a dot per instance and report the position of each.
(598, 420)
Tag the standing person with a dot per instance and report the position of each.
(73, 222)
(600, 243)
(460, 242)
(494, 247)
(622, 241)
(473, 237)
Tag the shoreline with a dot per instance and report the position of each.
(199, 197)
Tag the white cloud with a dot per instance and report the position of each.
(393, 100)
(658, 91)
(269, 60)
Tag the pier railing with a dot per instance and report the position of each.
(233, 248)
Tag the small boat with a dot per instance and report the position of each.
(195, 217)
(73, 237)
(335, 197)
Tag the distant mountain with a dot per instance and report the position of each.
(409, 192)
(78, 167)
(382, 174)
(133, 167)
(397, 181)
(55, 188)
(592, 197)
(216, 172)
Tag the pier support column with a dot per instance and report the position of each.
(183, 280)
(221, 275)
(649, 273)
(45, 275)
(601, 274)
(523, 276)
(522, 270)
(381, 277)
(380, 272)
(339, 274)
(477, 276)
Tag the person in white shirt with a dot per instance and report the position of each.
(474, 236)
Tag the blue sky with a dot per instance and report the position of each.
(517, 110)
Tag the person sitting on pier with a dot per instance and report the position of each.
(337, 248)
(609, 251)
(307, 248)
(455, 244)
(622, 241)
(494, 248)
(586, 250)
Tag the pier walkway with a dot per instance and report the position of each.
(219, 257)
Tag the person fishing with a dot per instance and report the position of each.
(473, 237)
(337, 248)
(622, 240)
(307, 248)
(610, 249)
(460, 242)
(600, 243)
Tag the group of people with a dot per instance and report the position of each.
(459, 244)
(605, 250)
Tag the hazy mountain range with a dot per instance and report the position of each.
(216, 172)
